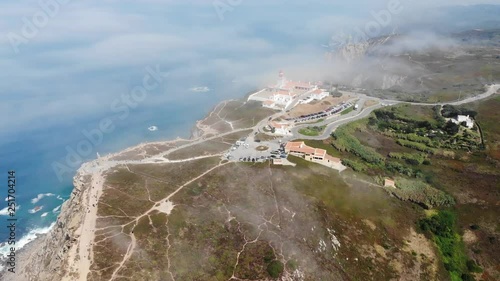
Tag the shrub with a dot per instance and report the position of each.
(442, 226)
(451, 128)
(396, 167)
(355, 165)
(473, 267)
(450, 111)
(292, 265)
(421, 193)
(346, 142)
(474, 227)
(275, 268)
(416, 145)
(410, 158)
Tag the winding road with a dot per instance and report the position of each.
(334, 122)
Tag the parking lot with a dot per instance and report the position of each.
(250, 150)
(323, 114)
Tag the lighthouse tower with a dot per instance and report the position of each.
(281, 80)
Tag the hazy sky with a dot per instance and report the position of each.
(73, 59)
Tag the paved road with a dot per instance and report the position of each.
(492, 89)
(334, 123)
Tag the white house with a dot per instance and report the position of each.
(319, 94)
(469, 123)
(282, 97)
(282, 129)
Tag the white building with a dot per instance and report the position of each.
(282, 97)
(317, 94)
(469, 123)
(284, 93)
(282, 129)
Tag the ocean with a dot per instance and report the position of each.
(39, 191)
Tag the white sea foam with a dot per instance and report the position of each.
(56, 209)
(30, 236)
(5, 211)
(40, 197)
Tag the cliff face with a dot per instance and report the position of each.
(46, 258)
(368, 64)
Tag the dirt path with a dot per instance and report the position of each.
(80, 257)
(157, 204)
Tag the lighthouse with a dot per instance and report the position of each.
(281, 80)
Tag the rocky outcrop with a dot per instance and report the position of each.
(46, 258)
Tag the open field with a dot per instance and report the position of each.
(254, 221)
(230, 115)
(211, 147)
(143, 151)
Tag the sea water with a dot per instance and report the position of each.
(39, 191)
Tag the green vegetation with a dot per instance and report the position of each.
(316, 121)
(396, 167)
(442, 227)
(312, 131)
(410, 158)
(425, 129)
(292, 265)
(450, 111)
(416, 145)
(345, 141)
(473, 267)
(347, 111)
(421, 193)
(355, 165)
(413, 137)
(275, 268)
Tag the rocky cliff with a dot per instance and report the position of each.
(46, 258)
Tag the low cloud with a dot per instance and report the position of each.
(90, 52)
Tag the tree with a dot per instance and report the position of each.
(451, 128)
(275, 268)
